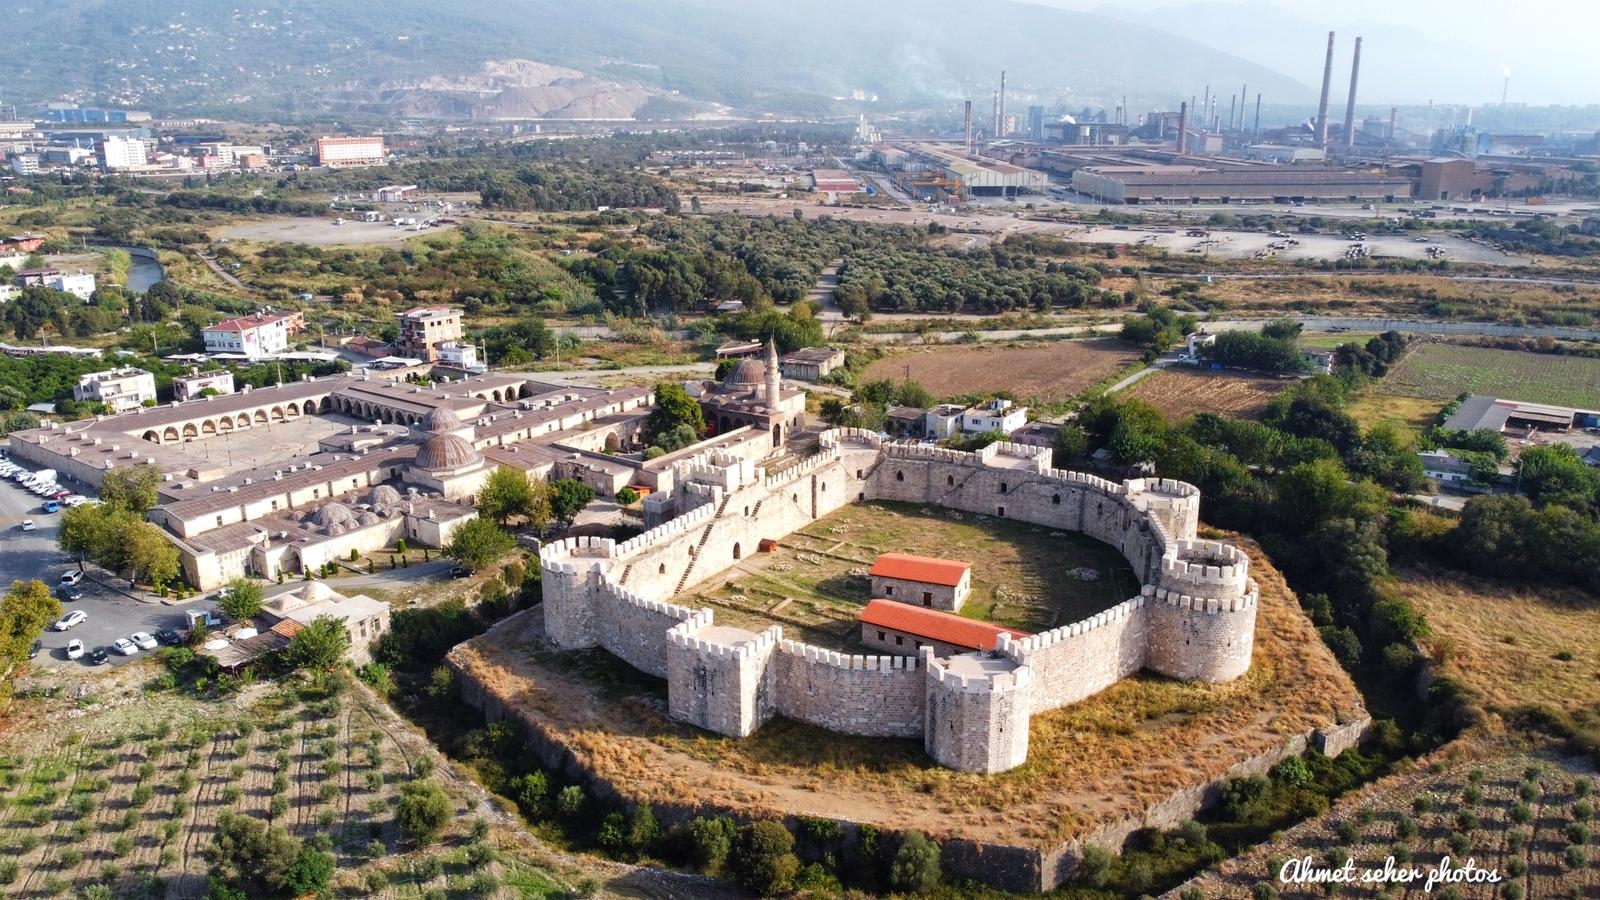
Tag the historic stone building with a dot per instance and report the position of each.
(753, 395)
(1194, 619)
(921, 580)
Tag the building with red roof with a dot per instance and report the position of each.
(921, 580)
(898, 628)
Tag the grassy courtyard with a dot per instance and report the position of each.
(815, 583)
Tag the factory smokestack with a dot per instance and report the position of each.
(994, 132)
(1394, 114)
(1183, 126)
(1000, 130)
(1322, 107)
(1233, 103)
(1205, 110)
(1350, 106)
(1257, 130)
(967, 126)
(1505, 89)
(1244, 98)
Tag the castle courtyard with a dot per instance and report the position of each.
(815, 585)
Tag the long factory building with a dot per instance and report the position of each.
(1193, 183)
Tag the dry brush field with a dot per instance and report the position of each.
(1035, 372)
(1180, 393)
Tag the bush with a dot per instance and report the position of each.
(1575, 857)
(1349, 834)
(613, 838)
(643, 829)
(1583, 810)
(764, 860)
(9, 871)
(710, 841)
(311, 873)
(570, 801)
(376, 881)
(915, 868)
(430, 868)
(424, 811)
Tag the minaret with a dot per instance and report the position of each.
(773, 381)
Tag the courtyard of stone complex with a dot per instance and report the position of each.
(815, 582)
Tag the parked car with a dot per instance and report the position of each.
(169, 636)
(74, 649)
(76, 617)
(99, 656)
(69, 593)
(51, 506)
(143, 640)
(27, 525)
(124, 647)
(73, 577)
(74, 500)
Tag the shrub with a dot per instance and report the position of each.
(1405, 827)
(121, 846)
(424, 767)
(1528, 791)
(1583, 810)
(480, 829)
(612, 837)
(1459, 844)
(376, 881)
(325, 819)
(1512, 891)
(311, 873)
(1264, 890)
(1472, 796)
(1422, 805)
(570, 801)
(83, 804)
(70, 858)
(915, 868)
(9, 871)
(279, 806)
(327, 791)
(1575, 857)
(429, 868)
(479, 854)
(1578, 833)
(231, 793)
(643, 829)
(1516, 867)
(1466, 821)
(180, 807)
(424, 811)
(1516, 841)
(55, 885)
(1582, 787)
(764, 860)
(1096, 867)
(1521, 813)
(142, 795)
(710, 841)
(1349, 834)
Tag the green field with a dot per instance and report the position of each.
(1442, 371)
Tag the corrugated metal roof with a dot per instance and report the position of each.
(920, 568)
(947, 628)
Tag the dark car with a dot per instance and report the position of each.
(98, 656)
(460, 571)
(169, 637)
(68, 593)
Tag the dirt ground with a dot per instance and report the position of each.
(1032, 372)
(1101, 760)
(323, 233)
(1180, 393)
(815, 586)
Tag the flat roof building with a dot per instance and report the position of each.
(423, 329)
(121, 390)
(350, 151)
(1178, 183)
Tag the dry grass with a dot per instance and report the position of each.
(1508, 642)
(1105, 759)
(1023, 575)
(1442, 371)
(1042, 372)
(1409, 413)
(1180, 393)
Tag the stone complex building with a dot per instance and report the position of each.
(921, 580)
(1194, 619)
(753, 395)
(904, 630)
(404, 461)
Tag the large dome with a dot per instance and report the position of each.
(747, 372)
(441, 419)
(445, 451)
(330, 514)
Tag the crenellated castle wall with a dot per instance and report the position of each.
(1194, 618)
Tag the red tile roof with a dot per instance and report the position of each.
(947, 628)
(920, 568)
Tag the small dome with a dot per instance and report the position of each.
(316, 592)
(331, 514)
(747, 372)
(383, 496)
(368, 518)
(445, 451)
(440, 419)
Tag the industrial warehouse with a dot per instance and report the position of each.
(929, 171)
(1167, 183)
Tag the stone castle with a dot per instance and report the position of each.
(1193, 619)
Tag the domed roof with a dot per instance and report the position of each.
(747, 372)
(316, 592)
(331, 514)
(445, 451)
(441, 419)
(383, 496)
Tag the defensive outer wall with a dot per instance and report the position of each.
(1194, 617)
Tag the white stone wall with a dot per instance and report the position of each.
(877, 696)
(1080, 660)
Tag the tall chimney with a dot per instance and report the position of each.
(1233, 103)
(1394, 113)
(1183, 126)
(1205, 110)
(1124, 109)
(1001, 130)
(1322, 107)
(994, 132)
(1350, 107)
(1244, 99)
(967, 126)
(1257, 130)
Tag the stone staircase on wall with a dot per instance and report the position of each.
(700, 547)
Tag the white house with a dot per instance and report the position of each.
(188, 387)
(459, 355)
(120, 390)
(254, 336)
(996, 415)
(80, 285)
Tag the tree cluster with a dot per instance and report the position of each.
(249, 857)
(1375, 356)
(1259, 351)
(923, 278)
(571, 188)
(1158, 328)
(114, 534)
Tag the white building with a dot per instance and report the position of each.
(254, 336)
(123, 153)
(942, 421)
(397, 193)
(350, 151)
(364, 618)
(25, 164)
(80, 285)
(459, 355)
(121, 390)
(996, 415)
(190, 386)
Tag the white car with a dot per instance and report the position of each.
(73, 577)
(76, 617)
(74, 649)
(143, 640)
(74, 500)
(124, 647)
(27, 525)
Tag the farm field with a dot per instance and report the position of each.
(1442, 371)
(1526, 815)
(1511, 644)
(1180, 393)
(815, 583)
(128, 794)
(1409, 413)
(1032, 373)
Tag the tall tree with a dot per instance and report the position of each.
(505, 495)
(150, 554)
(320, 645)
(478, 544)
(132, 488)
(24, 612)
(241, 599)
(673, 408)
(568, 497)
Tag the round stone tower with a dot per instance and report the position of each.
(1202, 613)
(978, 709)
(570, 574)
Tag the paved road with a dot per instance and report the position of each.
(33, 554)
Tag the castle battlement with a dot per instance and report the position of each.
(1194, 619)
(847, 661)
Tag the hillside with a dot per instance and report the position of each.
(409, 57)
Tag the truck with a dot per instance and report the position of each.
(207, 617)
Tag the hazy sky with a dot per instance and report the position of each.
(1548, 44)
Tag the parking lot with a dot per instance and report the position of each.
(34, 554)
